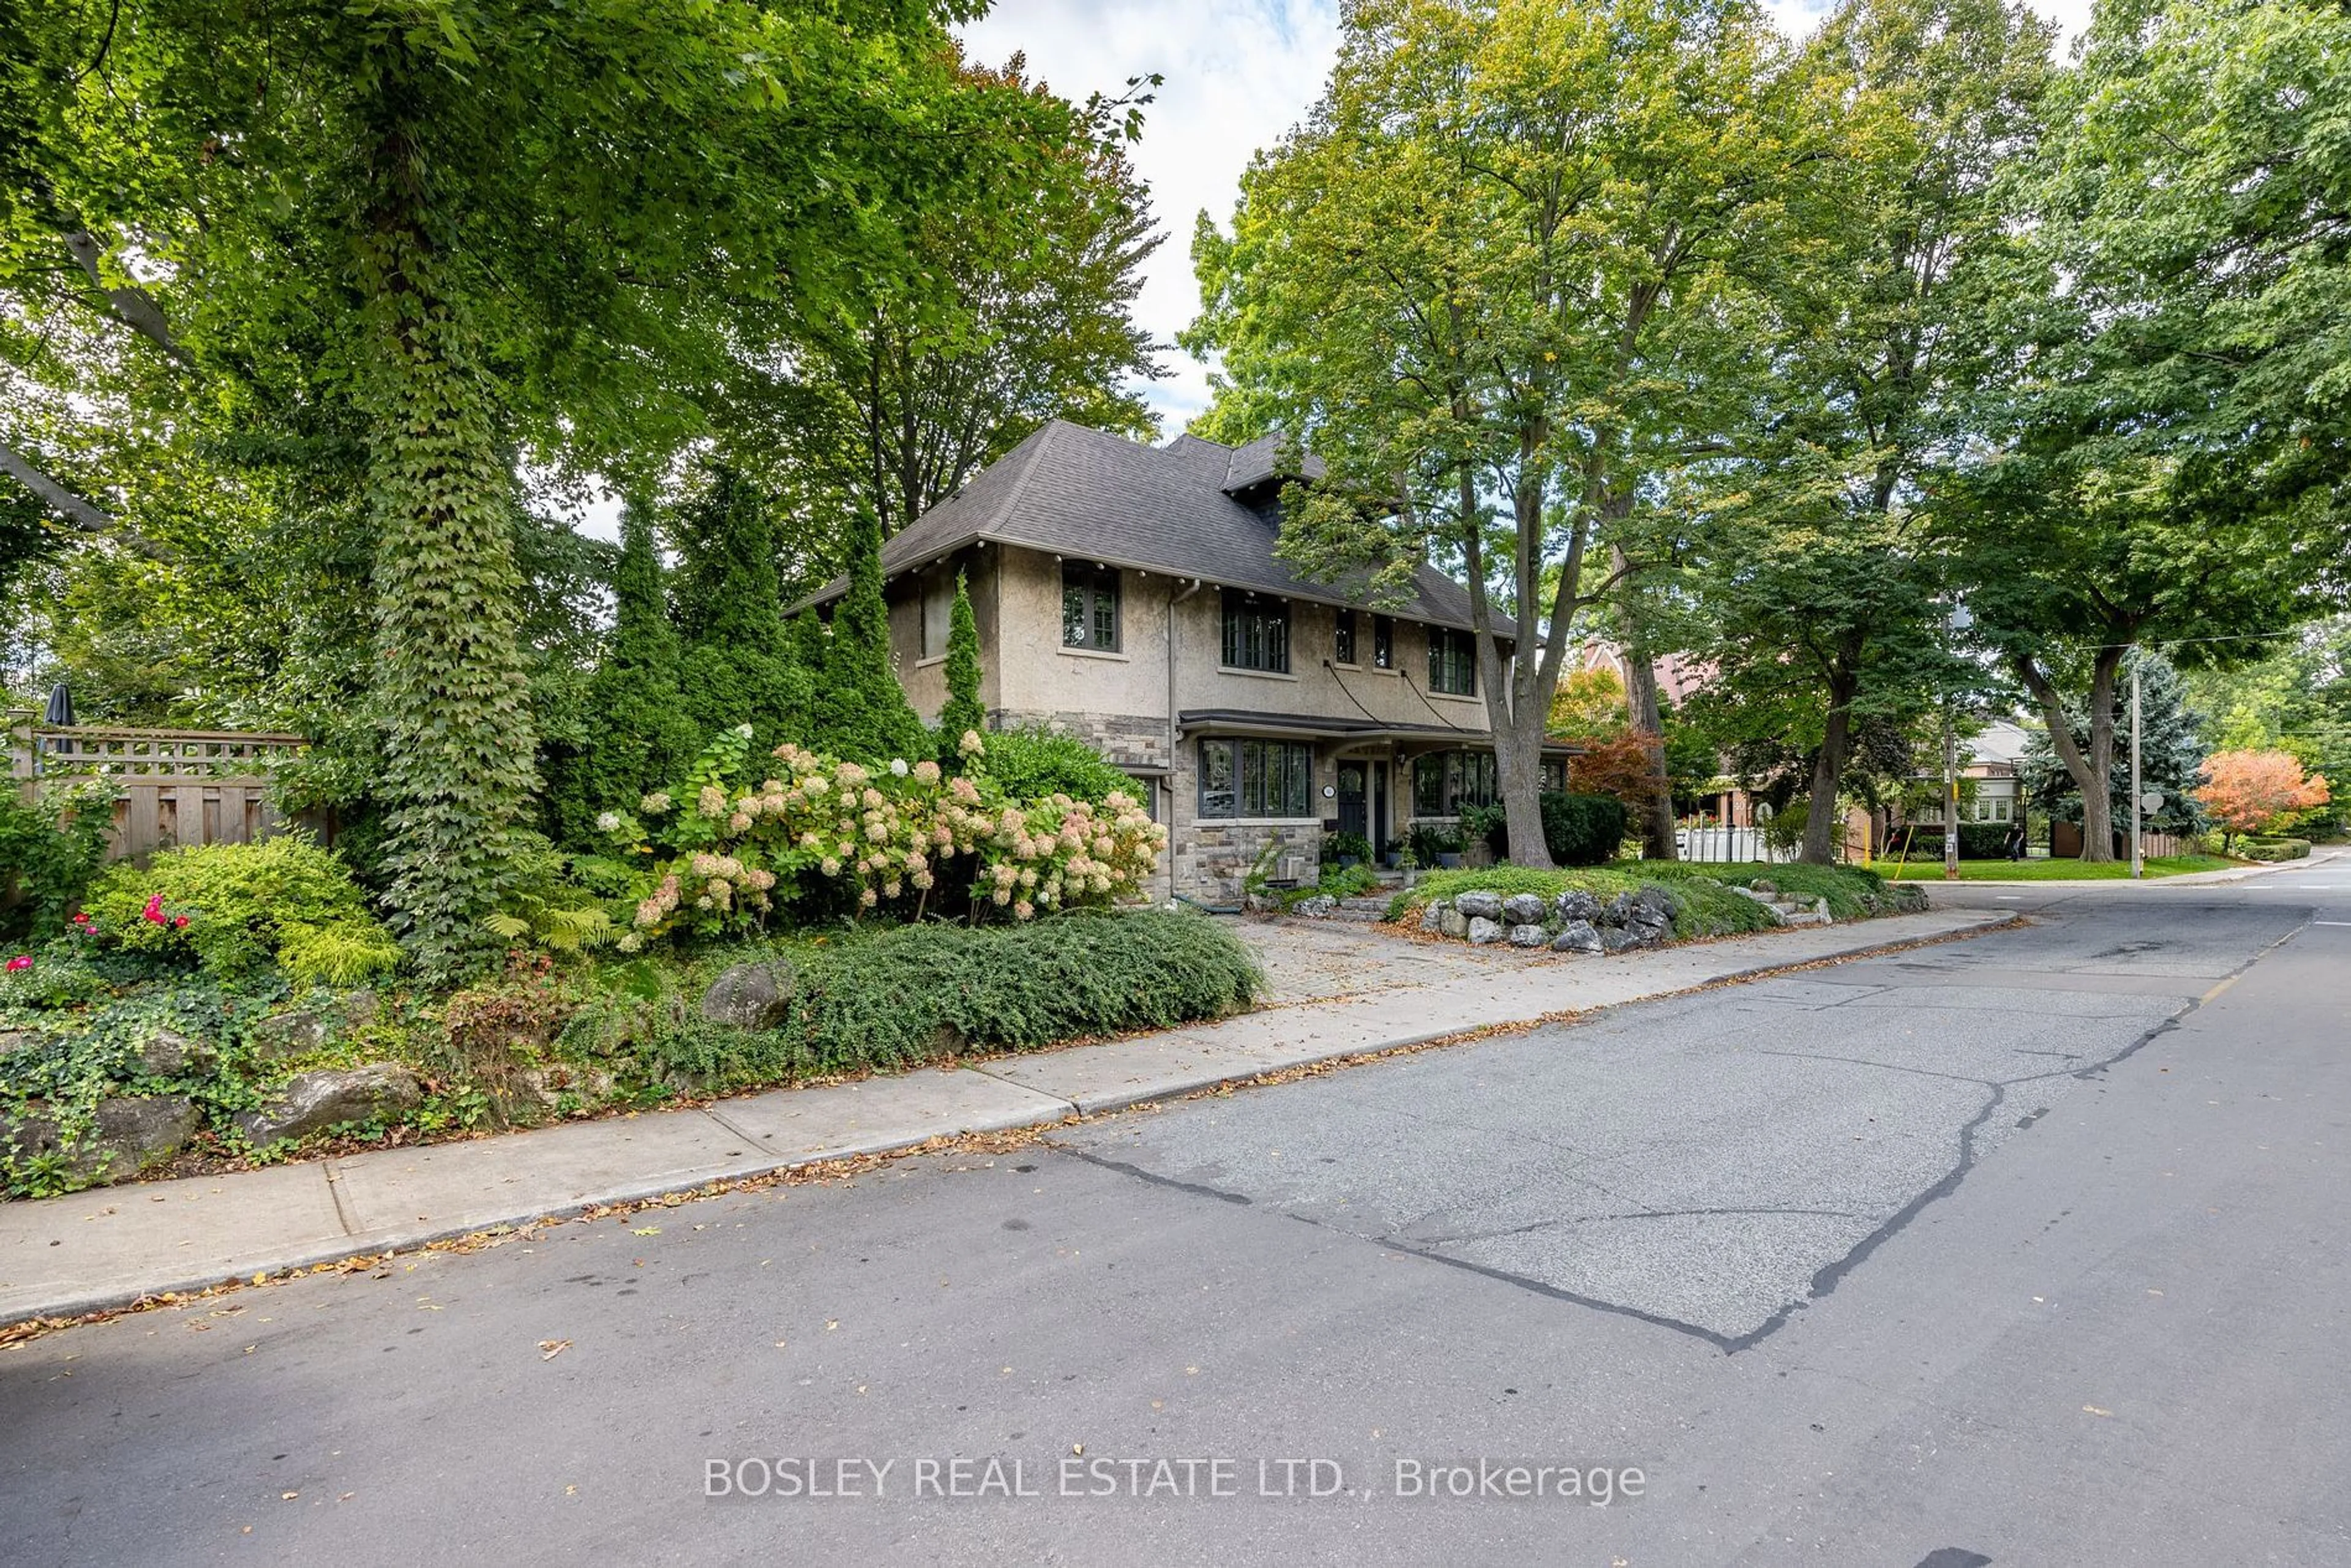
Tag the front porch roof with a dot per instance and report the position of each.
(1313, 726)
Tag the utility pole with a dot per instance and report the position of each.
(1959, 620)
(1950, 798)
(2138, 861)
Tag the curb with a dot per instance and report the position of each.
(1055, 1110)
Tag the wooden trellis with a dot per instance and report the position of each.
(179, 787)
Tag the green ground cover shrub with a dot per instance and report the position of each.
(2273, 849)
(888, 999)
(234, 909)
(1031, 764)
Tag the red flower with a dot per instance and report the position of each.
(154, 910)
(178, 921)
(21, 961)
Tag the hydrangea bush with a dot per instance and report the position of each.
(723, 851)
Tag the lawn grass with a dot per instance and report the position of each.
(2049, 869)
(1708, 907)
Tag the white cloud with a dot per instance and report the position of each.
(1239, 74)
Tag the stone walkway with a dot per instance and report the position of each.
(1338, 991)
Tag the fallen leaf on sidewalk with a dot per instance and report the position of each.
(2094, 1410)
(549, 1349)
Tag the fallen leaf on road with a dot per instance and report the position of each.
(288, 1495)
(549, 1349)
(646, 1230)
(831, 1324)
(2094, 1410)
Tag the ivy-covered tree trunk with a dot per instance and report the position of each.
(963, 712)
(449, 686)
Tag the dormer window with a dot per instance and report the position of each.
(1090, 607)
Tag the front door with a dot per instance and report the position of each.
(1354, 798)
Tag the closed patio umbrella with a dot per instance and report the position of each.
(60, 713)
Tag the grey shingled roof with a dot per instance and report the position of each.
(1088, 495)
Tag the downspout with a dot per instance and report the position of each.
(1174, 598)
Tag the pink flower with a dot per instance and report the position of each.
(179, 922)
(21, 961)
(154, 910)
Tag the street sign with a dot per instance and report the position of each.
(2151, 801)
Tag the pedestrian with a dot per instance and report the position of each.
(2015, 845)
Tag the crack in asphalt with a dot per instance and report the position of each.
(1568, 1219)
(1825, 1279)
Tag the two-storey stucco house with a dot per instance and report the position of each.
(1130, 594)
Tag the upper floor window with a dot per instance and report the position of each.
(1452, 662)
(1382, 642)
(939, 611)
(1343, 639)
(1257, 631)
(1090, 607)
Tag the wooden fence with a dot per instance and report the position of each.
(179, 787)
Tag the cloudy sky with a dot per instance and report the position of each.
(1240, 73)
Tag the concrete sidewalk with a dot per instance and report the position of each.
(106, 1248)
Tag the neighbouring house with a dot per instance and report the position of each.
(1989, 790)
(1130, 594)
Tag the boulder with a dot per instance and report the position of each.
(1615, 939)
(1315, 906)
(1659, 902)
(1432, 919)
(1456, 925)
(1529, 935)
(1805, 918)
(1524, 909)
(1480, 905)
(752, 996)
(1576, 905)
(127, 1136)
(16, 1039)
(359, 1008)
(288, 1035)
(168, 1053)
(1751, 893)
(381, 1090)
(138, 1132)
(1765, 886)
(1618, 910)
(1643, 934)
(1579, 936)
(1483, 931)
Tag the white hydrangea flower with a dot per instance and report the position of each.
(898, 766)
(608, 822)
(744, 730)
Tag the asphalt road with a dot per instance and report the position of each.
(2023, 1250)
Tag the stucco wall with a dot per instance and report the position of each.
(1118, 701)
